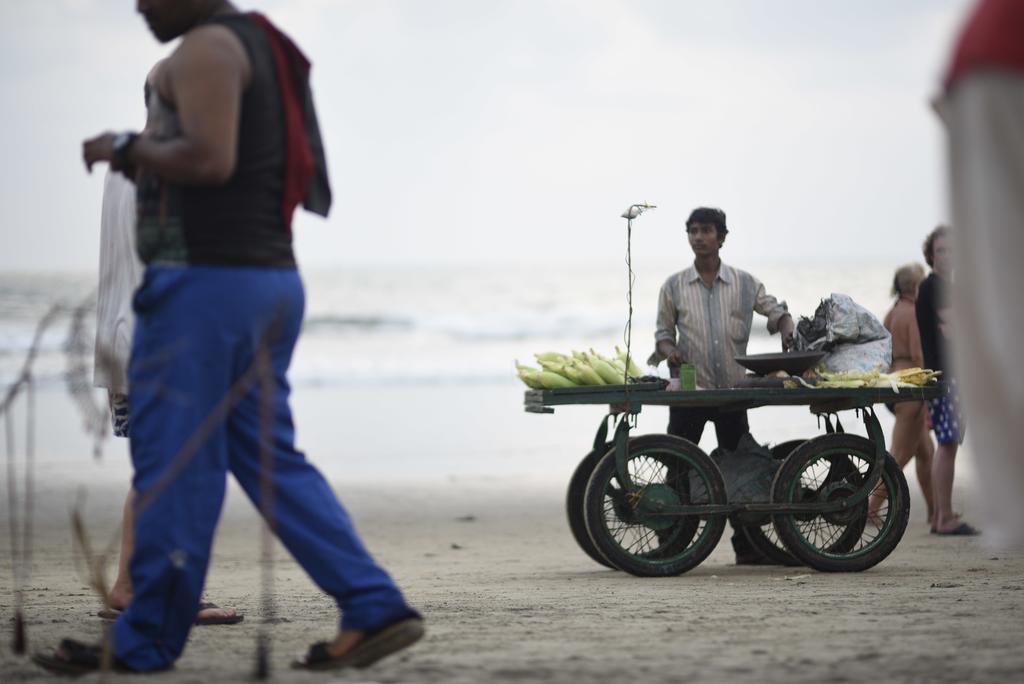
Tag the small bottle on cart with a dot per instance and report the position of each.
(683, 377)
(687, 377)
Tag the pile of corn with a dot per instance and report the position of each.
(577, 368)
(908, 377)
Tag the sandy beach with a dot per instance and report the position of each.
(509, 598)
(468, 191)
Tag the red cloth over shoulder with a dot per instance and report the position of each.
(992, 37)
(293, 79)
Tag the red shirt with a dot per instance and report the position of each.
(993, 37)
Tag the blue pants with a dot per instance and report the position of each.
(198, 330)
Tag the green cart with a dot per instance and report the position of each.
(656, 505)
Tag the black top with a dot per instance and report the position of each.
(238, 223)
(932, 297)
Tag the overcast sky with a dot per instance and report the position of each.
(518, 130)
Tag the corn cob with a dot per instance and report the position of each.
(909, 377)
(529, 376)
(841, 383)
(634, 370)
(554, 380)
(617, 365)
(600, 356)
(571, 371)
(553, 366)
(605, 370)
(588, 376)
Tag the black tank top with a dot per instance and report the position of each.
(239, 223)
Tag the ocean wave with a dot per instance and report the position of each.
(16, 340)
(399, 379)
(483, 327)
(56, 380)
(355, 322)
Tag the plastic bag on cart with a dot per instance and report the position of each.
(748, 472)
(853, 337)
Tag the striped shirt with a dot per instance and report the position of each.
(711, 325)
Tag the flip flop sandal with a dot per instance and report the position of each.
(932, 530)
(961, 530)
(373, 647)
(114, 613)
(77, 659)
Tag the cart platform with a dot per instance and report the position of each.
(630, 398)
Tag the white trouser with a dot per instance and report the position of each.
(985, 116)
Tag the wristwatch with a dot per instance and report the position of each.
(122, 145)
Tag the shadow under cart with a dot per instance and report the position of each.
(656, 505)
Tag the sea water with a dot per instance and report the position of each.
(451, 326)
(407, 373)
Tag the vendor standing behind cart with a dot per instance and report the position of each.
(704, 316)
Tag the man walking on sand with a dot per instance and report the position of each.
(233, 149)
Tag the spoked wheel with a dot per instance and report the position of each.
(663, 469)
(574, 504)
(763, 537)
(831, 468)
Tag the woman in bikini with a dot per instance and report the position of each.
(910, 437)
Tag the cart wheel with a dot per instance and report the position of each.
(832, 467)
(574, 504)
(674, 470)
(763, 537)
